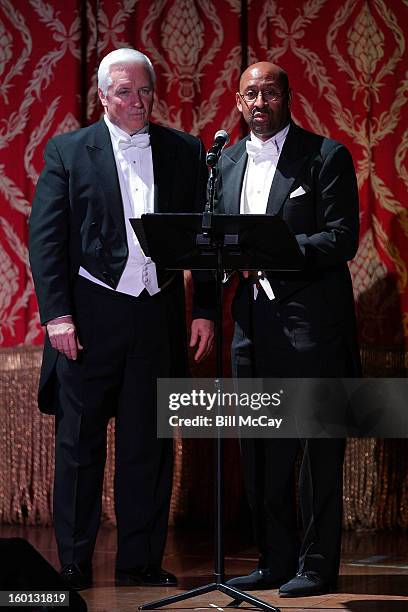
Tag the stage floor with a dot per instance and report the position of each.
(374, 572)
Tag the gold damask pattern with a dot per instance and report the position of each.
(365, 44)
(353, 87)
(347, 63)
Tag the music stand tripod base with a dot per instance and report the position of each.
(237, 596)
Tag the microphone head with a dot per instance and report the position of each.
(222, 135)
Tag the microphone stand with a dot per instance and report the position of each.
(209, 207)
(207, 238)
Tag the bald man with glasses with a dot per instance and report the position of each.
(295, 325)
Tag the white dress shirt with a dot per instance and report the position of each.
(135, 171)
(263, 157)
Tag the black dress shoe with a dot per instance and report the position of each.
(305, 584)
(151, 575)
(256, 581)
(77, 576)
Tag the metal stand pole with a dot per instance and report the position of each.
(218, 584)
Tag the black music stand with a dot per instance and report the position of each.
(180, 241)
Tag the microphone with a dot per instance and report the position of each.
(221, 138)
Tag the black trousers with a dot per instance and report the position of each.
(125, 343)
(275, 340)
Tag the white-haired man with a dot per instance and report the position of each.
(114, 323)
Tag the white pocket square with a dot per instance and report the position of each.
(298, 192)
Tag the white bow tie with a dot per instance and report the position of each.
(138, 140)
(266, 151)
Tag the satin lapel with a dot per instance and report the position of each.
(233, 170)
(290, 163)
(164, 161)
(106, 176)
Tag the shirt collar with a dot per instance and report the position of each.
(118, 134)
(276, 142)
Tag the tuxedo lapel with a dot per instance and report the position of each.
(290, 163)
(164, 166)
(106, 176)
(233, 170)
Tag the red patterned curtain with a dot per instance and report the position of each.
(347, 63)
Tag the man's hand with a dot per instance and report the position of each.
(63, 336)
(202, 331)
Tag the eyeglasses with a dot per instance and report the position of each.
(268, 94)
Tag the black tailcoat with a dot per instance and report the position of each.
(78, 220)
(308, 330)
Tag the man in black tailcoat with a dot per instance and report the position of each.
(298, 324)
(114, 322)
